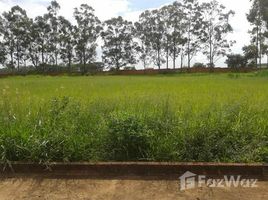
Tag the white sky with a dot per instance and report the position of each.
(131, 9)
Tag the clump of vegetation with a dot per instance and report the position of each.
(127, 138)
(236, 61)
(199, 65)
(261, 73)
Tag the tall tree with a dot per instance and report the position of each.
(16, 26)
(66, 36)
(144, 44)
(86, 33)
(255, 18)
(33, 49)
(193, 21)
(177, 25)
(166, 15)
(41, 37)
(153, 24)
(53, 21)
(216, 28)
(119, 48)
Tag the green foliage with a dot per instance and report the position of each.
(199, 65)
(215, 28)
(261, 73)
(86, 34)
(127, 137)
(119, 46)
(181, 29)
(236, 61)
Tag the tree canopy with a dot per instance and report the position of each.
(177, 31)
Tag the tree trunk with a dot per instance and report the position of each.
(117, 64)
(182, 56)
(188, 49)
(12, 59)
(167, 59)
(267, 61)
(174, 56)
(260, 46)
(257, 45)
(210, 53)
(70, 62)
(43, 58)
(56, 58)
(158, 59)
(260, 60)
(189, 61)
(18, 57)
(174, 62)
(84, 61)
(144, 63)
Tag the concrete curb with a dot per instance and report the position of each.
(148, 170)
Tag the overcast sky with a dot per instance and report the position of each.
(131, 9)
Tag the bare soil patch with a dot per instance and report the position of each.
(33, 188)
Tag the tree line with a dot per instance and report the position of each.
(254, 53)
(176, 32)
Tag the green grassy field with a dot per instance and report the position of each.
(209, 117)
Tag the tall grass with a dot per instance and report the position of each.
(209, 118)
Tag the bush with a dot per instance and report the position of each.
(127, 139)
(199, 65)
(129, 68)
(236, 61)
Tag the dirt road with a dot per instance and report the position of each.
(35, 188)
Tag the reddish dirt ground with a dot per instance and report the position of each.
(36, 188)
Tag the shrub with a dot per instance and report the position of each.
(199, 65)
(127, 138)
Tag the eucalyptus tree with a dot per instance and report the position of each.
(8, 38)
(144, 49)
(193, 20)
(41, 36)
(119, 48)
(177, 25)
(53, 21)
(215, 30)
(166, 15)
(153, 23)
(67, 42)
(255, 17)
(16, 27)
(87, 31)
(33, 48)
(157, 37)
